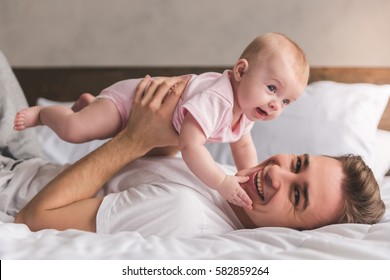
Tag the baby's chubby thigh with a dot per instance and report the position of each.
(122, 95)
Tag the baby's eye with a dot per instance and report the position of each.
(272, 88)
(286, 101)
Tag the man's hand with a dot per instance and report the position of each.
(150, 121)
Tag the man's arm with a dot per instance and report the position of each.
(67, 201)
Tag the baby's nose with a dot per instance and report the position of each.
(274, 105)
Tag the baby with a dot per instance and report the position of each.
(271, 73)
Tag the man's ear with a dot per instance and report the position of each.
(240, 68)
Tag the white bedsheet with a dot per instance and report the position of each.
(345, 241)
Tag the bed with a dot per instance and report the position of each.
(344, 110)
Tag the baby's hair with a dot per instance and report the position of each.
(276, 43)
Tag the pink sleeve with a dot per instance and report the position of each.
(210, 110)
(248, 126)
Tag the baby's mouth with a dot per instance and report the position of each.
(259, 185)
(261, 112)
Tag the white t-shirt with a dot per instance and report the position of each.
(20, 181)
(151, 196)
(162, 197)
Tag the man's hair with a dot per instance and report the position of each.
(280, 44)
(362, 199)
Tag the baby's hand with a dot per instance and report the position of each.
(231, 190)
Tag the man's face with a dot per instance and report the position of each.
(301, 192)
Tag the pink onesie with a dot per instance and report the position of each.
(208, 97)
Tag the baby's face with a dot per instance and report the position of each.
(266, 88)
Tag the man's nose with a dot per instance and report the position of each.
(280, 177)
(273, 177)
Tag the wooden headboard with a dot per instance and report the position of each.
(67, 83)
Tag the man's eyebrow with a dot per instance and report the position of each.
(306, 163)
(305, 197)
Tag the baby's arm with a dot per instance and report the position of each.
(201, 163)
(244, 152)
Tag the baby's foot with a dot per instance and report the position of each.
(84, 100)
(28, 117)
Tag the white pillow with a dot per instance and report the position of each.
(381, 155)
(329, 118)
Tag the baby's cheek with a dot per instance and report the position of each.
(275, 115)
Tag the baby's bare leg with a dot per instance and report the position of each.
(29, 117)
(26, 118)
(84, 100)
(98, 120)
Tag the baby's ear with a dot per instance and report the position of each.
(240, 68)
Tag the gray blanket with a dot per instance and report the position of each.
(17, 145)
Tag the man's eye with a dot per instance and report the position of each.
(298, 165)
(296, 196)
(272, 88)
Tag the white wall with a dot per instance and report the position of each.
(183, 32)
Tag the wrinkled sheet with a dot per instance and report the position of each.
(344, 241)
